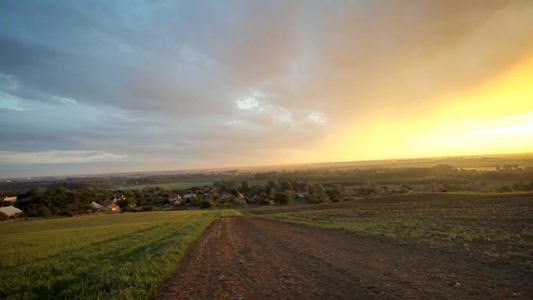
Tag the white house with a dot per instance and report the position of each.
(188, 197)
(10, 210)
(97, 206)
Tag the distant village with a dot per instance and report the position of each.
(90, 196)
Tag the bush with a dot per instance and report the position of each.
(207, 204)
(87, 207)
(148, 208)
(44, 212)
(128, 209)
(67, 213)
(264, 201)
(283, 198)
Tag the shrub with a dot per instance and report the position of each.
(55, 211)
(264, 201)
(148, 208)
(128, 209)
(44, 212)
(66, 213)
(87, 207)
(207, 204)
(283, 198)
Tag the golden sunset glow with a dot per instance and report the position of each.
(495, 117)
(190, 85)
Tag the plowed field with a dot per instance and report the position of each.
(256, 258)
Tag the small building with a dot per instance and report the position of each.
(96, 206)
(382, 191)
(240, 200)
(174, 199)
(10, 211)
(113, 207)
(119, 197)
(189, 197)
(10, 199)
(302, 195)
(108, 202)
(348, 192)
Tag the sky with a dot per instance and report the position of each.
(125, 86)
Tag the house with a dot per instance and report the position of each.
(96, 206)
(188, 197)
(348, 192)
(108, 202)
(302, 195)
(10, 211)
(382, 191)
(240, 200)
(174, 198)
(10, 199)
(118, 198)
(113, 207)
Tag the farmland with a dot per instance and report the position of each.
(121, 256)
(420, 246)
(171, 185)
(499, 226)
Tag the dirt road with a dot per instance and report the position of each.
(255, 258)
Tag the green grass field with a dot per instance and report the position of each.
(495, 225)
(121, 256)
(171, 185)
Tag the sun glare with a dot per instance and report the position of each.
(494, 117)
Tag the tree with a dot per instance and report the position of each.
(432, 187)
(263, 199)
(232, 199)
(234, 192)
(334, 194)
(407, 186)
(44, 212)
(245, 187)
(271, 184)
(126, 202)
(317, 194)
(207, 204)
(369, 189)
(286, 186)
(283, 198)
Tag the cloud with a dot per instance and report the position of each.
(51, 157)
(209, 83)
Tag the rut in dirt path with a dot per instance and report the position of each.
(255, 258)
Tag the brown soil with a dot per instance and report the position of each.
(255, 258)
